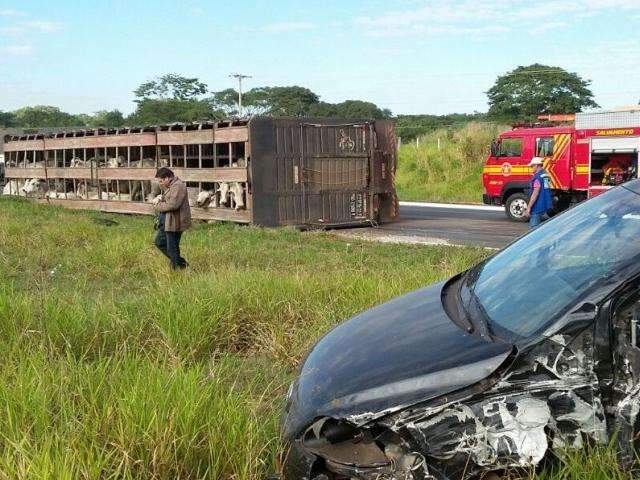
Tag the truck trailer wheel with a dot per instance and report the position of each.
(515, 207)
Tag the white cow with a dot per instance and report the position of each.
(151, 188)
(13, 187)
(223, 190)
(207, 198)
(100, 161)
(237, 193)
(38, 164)
(35, 186)
(85, 190)
(115, 162)
(103, 196)
(62, 195)
(77, 163)
(91, 193)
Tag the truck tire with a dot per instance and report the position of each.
(515, 207)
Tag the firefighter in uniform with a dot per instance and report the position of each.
(540, 200)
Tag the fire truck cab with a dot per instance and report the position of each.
(584, 157)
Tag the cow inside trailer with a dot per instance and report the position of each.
(265, 171)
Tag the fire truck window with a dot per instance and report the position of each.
(510, 147)
(544, 147)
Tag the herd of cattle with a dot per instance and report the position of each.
(221, 194)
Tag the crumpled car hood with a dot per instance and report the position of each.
(400, 353)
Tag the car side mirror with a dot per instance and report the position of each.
(586, 311)
(581, 317)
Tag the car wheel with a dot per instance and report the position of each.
(515, 207)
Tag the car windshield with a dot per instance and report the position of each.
(530, 283)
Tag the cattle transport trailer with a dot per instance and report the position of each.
(292, 171)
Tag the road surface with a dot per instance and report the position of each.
(448, 225)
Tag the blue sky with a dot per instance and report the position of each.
(411, 56)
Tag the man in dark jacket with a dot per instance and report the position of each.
(174, 216)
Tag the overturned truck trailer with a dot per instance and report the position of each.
(263, 171)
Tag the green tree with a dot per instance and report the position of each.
(173, 98)
(7, 119)
(291, 101)
(172, 86)
(349, 109)
(528, 91)
(226, 101)
(154, 112)
(323, 109)
(277, 101)
(360, 109)
(45, 116)
(411, 126)
(106, 118)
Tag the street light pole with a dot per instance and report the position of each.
(239, 76)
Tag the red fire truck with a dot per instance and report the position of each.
(584, 156)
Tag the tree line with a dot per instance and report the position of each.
(518, 95)
(174, 98)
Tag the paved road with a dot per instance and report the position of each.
(447, 224)
(482, 227)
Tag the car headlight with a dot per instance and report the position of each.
(350, 451)
(340, 443)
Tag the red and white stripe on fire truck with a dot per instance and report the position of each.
(561, 143)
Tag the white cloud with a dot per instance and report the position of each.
(437, 30)
(18, 50)
(13, 30)
(286, 27)
(42, 26)
(463, 16)
(30, 27)
(12, 13)
(546, 27)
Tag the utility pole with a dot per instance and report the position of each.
(239, 76)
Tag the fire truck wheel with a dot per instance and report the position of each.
(515, 207)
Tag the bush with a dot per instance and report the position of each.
(451, 172)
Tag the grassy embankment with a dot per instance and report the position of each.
(111, 367)
(452, 173)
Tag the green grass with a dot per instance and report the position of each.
(114, 367)
(590, 463)
(452, 173)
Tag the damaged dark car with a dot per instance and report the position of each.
(535, 350)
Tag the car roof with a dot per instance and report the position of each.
(633, 185)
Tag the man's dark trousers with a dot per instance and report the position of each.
(169, 244)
